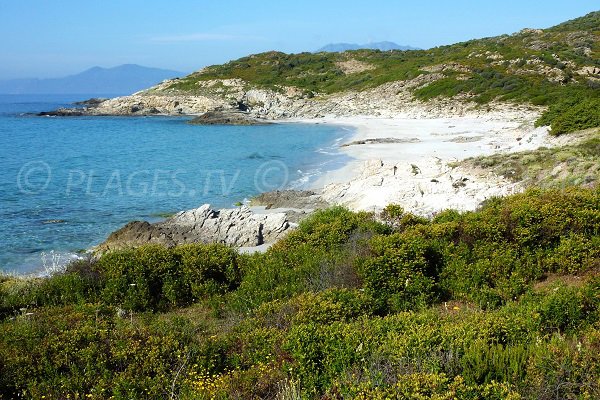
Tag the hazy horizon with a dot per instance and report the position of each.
(77, 36)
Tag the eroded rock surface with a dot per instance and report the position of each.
(227, 118)
(298, 199)
(239, 227)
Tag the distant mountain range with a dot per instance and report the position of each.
(123, 79)
(383, 46)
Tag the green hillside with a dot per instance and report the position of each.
(502, 303)
(552, 67)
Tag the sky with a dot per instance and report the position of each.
(43, 39)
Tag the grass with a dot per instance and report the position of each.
(572, 165)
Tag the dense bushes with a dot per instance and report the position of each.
(153, 277)
(149, 277)
(318, 255)
(465, 305)
(573, 113)
(87, 351)
(585, 114)
(402, 272)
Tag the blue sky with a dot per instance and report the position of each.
(42, 38)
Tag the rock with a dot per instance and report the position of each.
(133, 234)
(227, 118)
(465, 139)
(459, 183)
(382, 141)
(239, 227)
(54, 221)
(93, 102)
(63, 112)
(299, 199)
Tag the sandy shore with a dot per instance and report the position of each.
(411, 167)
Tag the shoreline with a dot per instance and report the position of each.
(413, 168)
(408, 159)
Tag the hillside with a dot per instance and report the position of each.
(123, 79)
(557, 68)
(502, 303)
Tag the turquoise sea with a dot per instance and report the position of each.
(68, 182)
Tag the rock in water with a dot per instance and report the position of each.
(239, 227)
(227, 118)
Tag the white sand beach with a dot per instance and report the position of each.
(411, 166)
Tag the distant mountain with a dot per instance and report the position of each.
(123, 79)
(383, 46)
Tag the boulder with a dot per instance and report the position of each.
(239, 227)
(300, 199)
(227, 118)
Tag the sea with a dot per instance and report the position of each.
(67, 182)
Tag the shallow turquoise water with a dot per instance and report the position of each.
(68, 182)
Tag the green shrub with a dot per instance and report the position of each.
(87, 351)
(153, 277)
(144, 278)
(484, 363)
(566, 309)
(575, 253)
(331, 228)
(69, 287)
(401, 274)
(395, 216)
(583, 115)
(208, 269)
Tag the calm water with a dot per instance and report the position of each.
(68, 182)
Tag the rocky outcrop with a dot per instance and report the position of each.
(234, 95)
(93, 102)
(63, 112)
(239, 227)
(227, 118)
(292, 199)
(424, 188)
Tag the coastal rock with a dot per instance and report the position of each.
(93, 102)
(227, 118)
(133, 234)
(239, 227)
(63, 112)
(294, 199)
(436, 187)
(234, 95)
